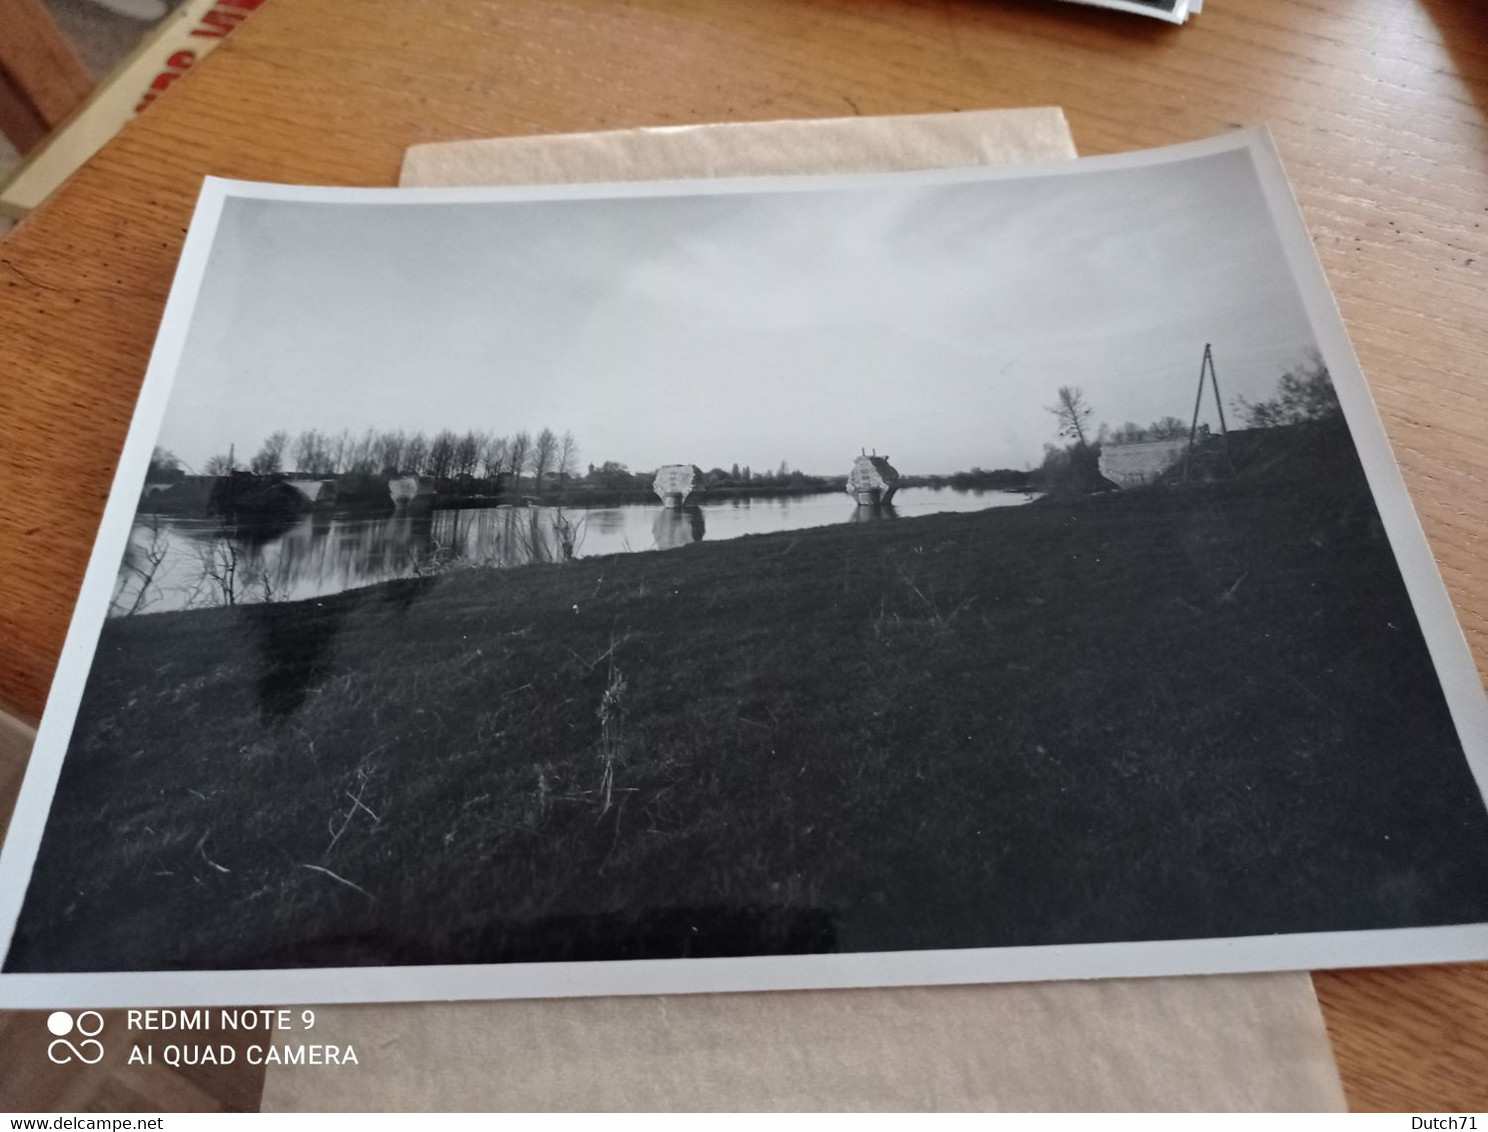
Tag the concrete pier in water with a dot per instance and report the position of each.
(872, 481)
(675, 482)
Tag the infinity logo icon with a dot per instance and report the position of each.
(89, 1024)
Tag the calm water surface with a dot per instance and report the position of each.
(189, 563)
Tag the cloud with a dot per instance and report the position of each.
(931, 321)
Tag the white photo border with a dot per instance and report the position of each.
(1446, 642)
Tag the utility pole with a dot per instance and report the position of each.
(1206, 368)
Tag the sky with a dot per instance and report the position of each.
(934, 324)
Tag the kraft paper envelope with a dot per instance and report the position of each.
(1253, 1042)
(1242, 1042)
(749, 149)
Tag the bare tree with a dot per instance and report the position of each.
(337, 448)
(390, 451)
(568, 457)
(1168, 428)
(493, 457)
(308, 452)
(218, 466)
(143, 561)
(468, 453)
(220, 559)
(361, 454)
(517, 455)
(270, 457)
(544, 450)
(442, 455)
(416, 454)
(1073, 414)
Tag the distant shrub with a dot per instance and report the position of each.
(1302, 396)
(165, 467)
(1168, 428)
(1071, 470)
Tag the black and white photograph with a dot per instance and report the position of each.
(976, 562)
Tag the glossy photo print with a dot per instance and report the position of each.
(914, 578)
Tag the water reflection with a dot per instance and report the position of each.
(872, 512)
(174, 563)
(674, 528)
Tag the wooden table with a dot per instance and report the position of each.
(1378, 107)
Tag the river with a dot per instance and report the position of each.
(175, 563)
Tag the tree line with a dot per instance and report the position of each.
(472, 456)
(443, 456)
(1304, 396)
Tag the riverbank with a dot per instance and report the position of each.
(581, 496)
(362, 500)
(1155, 714)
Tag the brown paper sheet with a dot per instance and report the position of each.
(1240, 1042)
(1244, 1042)
(750, 149)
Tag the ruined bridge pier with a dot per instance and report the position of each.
(872, 481)
(675, 482)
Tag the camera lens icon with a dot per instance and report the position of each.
(88, 1024)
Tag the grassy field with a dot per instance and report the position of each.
(1157, 714)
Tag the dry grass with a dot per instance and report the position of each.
(1151, 715)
